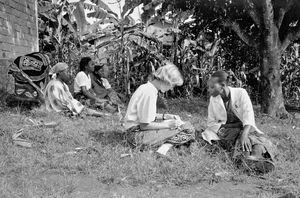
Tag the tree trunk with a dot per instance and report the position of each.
(272, 102)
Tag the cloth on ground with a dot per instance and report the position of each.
(36, 66)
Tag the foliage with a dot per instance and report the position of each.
(201, 42)
(290, 75)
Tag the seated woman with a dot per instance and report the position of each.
(83, 87)
(102, 88)
(58, 96)
(147, 128)
(231, 121)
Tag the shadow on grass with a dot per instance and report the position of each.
(112, 138)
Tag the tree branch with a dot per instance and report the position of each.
(268, 14)
(250, 7)
(282, 12)
(241, 34)
(293, 35)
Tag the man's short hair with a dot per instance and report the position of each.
(222, 76)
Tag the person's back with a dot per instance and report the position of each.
(142, 106)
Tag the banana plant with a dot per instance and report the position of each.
(122, 40)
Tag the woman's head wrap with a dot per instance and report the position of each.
(169, 73)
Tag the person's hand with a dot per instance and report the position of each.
(176, 117)
(173, 124)
(246, 144)
(171, 117)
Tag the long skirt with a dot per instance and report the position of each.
(152, 138)
(230, 141)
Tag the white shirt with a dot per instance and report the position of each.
(142, 106)
(105, 83)
(217, 115)
(82, 80)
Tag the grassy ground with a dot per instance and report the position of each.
(51, 168)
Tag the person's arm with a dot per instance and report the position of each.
(171, 117)
(233, 125)
(105, 83)
(166, 116)
(245, 141)
(171, 124)
(147, 114)
(248, 117)
(211, 119)
(154, 126)
(90, 95)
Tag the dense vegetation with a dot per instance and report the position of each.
(205, 37)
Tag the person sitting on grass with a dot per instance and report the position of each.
(83, 87)
(59, 98)
(102, 87)
(231, 121)
(144, 127)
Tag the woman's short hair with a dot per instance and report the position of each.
(222, 76)
(84, 62)
(169, 73)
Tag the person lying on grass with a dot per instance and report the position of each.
(102, 87)
(83, 87)
(59, 98)
(144, 127)
(231, 122)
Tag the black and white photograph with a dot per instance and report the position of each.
(150, 98)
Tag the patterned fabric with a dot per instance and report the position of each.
(230, 141)
(99, 88)
(186, 134)
(36, 66)
(59, 98)
(230, 137)
(136, 137)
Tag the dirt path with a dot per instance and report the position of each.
(84, 187)
(223, 190)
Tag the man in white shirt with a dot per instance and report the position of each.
(231, 122)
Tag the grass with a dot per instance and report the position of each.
(51, 168)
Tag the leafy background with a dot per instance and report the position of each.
(132, 52)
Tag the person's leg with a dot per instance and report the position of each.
(110, 108)
(95, 113)
(257, 151)
(155, 137)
